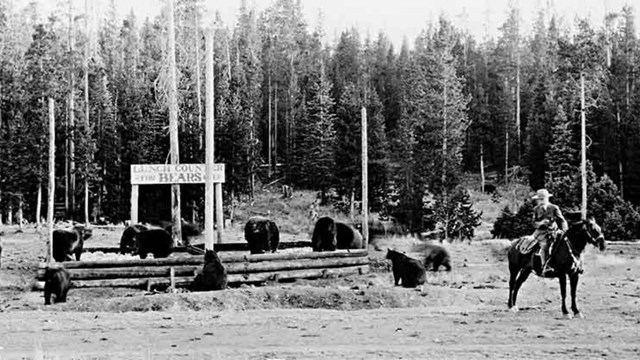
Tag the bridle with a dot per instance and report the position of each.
(588, 227)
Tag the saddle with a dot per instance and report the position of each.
(526, 245)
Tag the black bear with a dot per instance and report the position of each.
(436, 255)
(127, 243)
(69, 241)
(347, 237)
(262, 235)
(189, 230)
(324, 235)
(213, 276)
(406, 270)
(57, 282)
(155, 241)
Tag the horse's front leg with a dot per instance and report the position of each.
(521, 278)
(574, 286)
(513, 274)
(563, 293)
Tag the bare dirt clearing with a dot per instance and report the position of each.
(461, 314)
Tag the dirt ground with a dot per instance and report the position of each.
(458, 315)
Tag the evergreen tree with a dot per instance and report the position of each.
(316, 140)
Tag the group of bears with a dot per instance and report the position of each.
(261, 234)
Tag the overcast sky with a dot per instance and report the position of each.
(399, 18)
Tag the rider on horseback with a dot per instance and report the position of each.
(549, 224)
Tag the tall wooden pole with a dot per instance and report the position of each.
(86, 107)
(219, 215)
(506, 158)
(269, 129)
(52, 175)
(70, 202)
(482, 168)
(275, 130)
(38, 205)
(209, 145)
(583, 147)
(198, 96)
(135, 191)
(173, 126)
(365, 180)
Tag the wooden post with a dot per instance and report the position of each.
(583, 147)
(269, 128)
(482, 168)
(506, 158)
(365, 177)
(209, 145)
(134, 203)
(219, 215)
(38, 205)
(172, 277)
(87, 111)
(173, 126)
(198, 86)
(52, 175)
(70, 201)
(275, 130)
(19, 215)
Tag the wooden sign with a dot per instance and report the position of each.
(147, 174)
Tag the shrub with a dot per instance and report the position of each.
(510, 226)
(457, 214)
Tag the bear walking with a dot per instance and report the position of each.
(57, 282)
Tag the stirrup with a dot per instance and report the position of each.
(546, 270)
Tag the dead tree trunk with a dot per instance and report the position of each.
(173, 126)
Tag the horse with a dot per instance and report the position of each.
(564, 258)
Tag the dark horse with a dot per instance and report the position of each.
(564, 258)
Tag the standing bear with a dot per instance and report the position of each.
(324, 235)
(155, 241)
(406, 270)
(347, 237)
(68, 242)
(262, 235)
(56, 282)
(127, 242)
(329, 235)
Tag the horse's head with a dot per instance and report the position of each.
(594, 234)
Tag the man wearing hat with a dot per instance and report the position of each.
(547, 218)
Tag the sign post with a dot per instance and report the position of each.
(209, 146)
(52, 176)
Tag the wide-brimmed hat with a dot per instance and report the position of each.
(542, 194)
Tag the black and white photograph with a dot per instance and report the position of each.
(319, 179)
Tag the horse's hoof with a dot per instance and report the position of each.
(579, 315)
(514, 309)
(568, 316)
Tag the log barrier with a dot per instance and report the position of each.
(246, 268)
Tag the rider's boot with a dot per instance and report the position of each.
(546, 269)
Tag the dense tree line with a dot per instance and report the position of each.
(288, 102)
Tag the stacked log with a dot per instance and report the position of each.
(240, 269)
